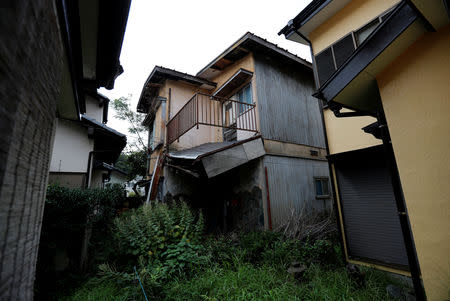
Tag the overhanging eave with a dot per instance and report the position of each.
(354, 84)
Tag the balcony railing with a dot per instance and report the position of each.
(204, 109)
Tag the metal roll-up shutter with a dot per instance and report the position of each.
(371, 222)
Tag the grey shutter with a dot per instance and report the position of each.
(325, 65)
(343, 49)
(370, 216)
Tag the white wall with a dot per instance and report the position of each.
(93, 110)
(71, 147)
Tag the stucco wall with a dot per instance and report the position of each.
(354, 15)
(71, 147)
(93, 110)
(415, 93)
(346, 134)
(180, 94)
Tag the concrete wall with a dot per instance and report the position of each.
(31, 67)
(68, 179)
(288, 111)
(415, 93)
(346, 134)
(353, 16)
(71, 147)
(93, 109)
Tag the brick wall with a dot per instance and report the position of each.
(30, 70)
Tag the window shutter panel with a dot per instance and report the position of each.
(343, 49)
(325, 65)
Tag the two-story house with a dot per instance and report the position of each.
(382, 69)
(227, 140)
(84, 151)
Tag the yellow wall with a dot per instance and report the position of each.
(354, 15)
(415, 92)
(247, 63)
(181, 93)
(346, 134)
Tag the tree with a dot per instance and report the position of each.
(122, 107)
(134, 160)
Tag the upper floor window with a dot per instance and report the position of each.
(245, 96)
(333, 57)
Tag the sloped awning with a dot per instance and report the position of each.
(220, 157)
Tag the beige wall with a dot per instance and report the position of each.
(354, 15)
(93, 110)
(415, 92)
(346, 134)
(71, 147)
(247, 63)
(180, 95)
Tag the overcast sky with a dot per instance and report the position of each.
(186, 35)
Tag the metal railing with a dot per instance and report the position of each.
(204, 109)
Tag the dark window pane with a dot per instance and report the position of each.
(326, 190)
(325, 65)
(343, 49)
(319, 190)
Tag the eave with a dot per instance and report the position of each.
(354, 84)
(156, 79)
(250, 43)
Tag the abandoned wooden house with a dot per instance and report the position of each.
(226, 139)
(382, 69)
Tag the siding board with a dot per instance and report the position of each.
(288, 111)
(291, 185)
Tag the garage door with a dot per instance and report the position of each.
(371, 222)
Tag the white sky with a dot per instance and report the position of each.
(186, 35)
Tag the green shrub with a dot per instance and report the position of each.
(149, 231)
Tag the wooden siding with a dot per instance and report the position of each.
(288, 111)
(291, 186)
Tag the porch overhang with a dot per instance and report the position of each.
(354, 84)
(239, 78)
(217, 158)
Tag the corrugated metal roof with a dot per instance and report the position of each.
(203, 149)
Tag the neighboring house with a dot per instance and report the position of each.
(51, 53)
(224, 139)
(382, 69)
(84, 152)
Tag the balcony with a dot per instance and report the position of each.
(204, 109)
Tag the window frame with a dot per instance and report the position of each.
(322, 180)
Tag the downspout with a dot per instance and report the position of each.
(330, 170)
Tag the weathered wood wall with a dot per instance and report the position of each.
(30, 68)
(287, 109)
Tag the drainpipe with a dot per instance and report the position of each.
(330, 170)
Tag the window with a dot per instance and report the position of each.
(322, 187)
(362, 33)
(333, 57)
(244, 95)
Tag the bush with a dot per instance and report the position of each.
(162, 241)
(67, 214)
